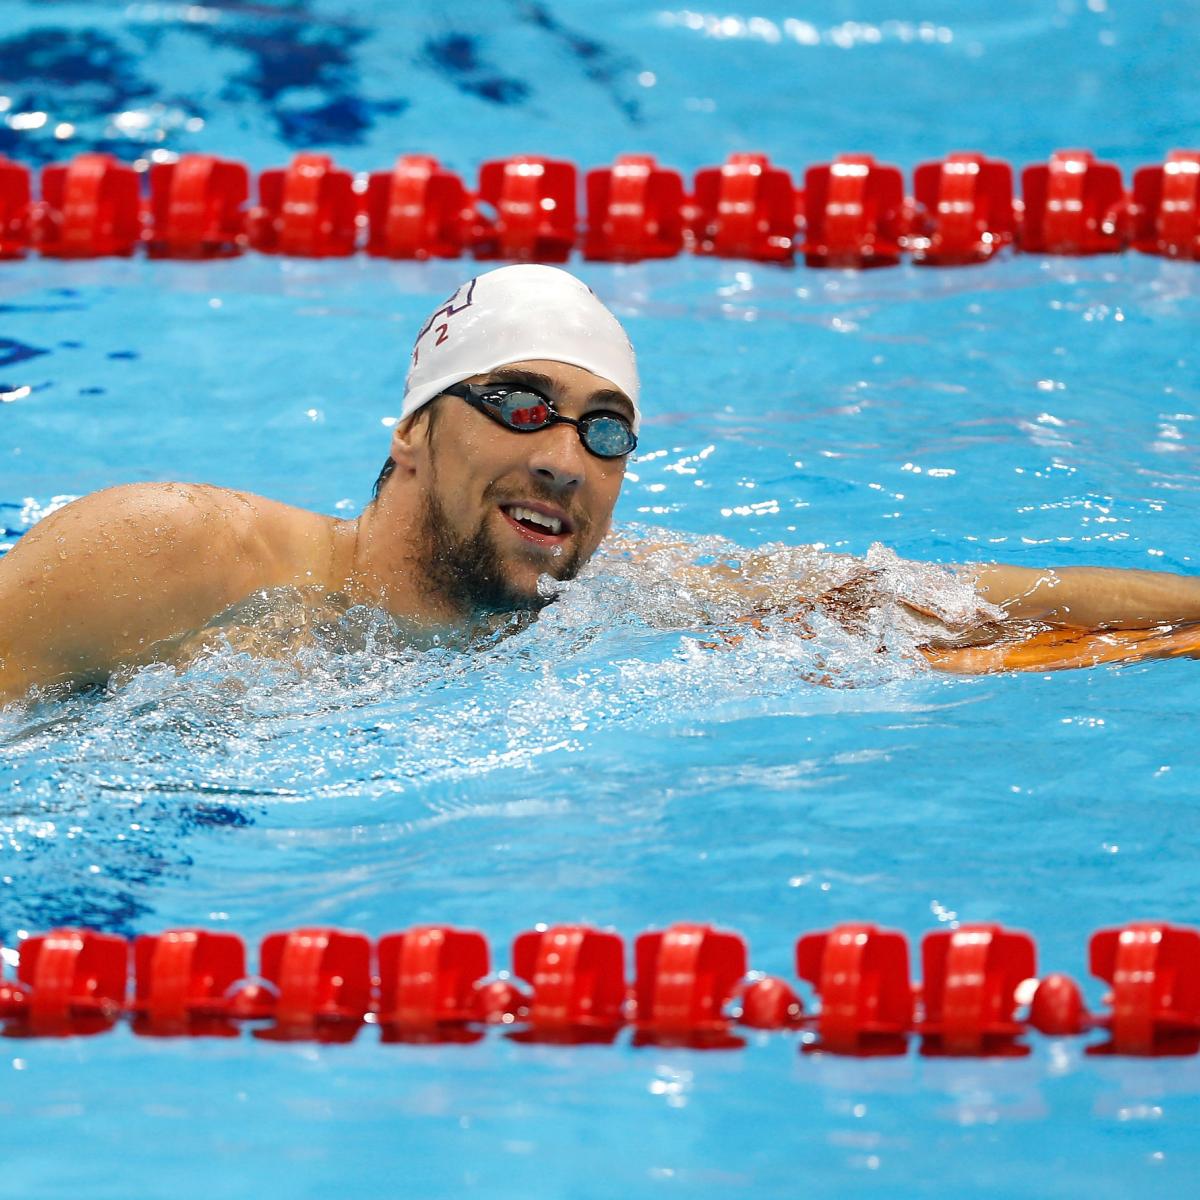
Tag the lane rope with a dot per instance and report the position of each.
(853, 213)
(981, 994)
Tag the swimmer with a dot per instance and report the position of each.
(521, 408)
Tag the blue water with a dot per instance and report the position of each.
(602, 766)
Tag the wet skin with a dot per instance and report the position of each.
(128, 576)
(135, 574)
(532, 504)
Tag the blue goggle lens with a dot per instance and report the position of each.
(604, 435)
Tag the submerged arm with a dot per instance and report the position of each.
(969, 602)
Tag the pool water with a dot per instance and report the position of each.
(603, 765)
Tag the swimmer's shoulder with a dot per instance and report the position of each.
(174, 526)
(138, 528)
(113, 577)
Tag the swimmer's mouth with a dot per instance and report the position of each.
(538, 521)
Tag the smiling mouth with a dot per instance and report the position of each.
(540, 527)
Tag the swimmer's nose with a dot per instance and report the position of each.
(558, 457)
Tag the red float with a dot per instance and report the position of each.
(427, 981)
(965, 207)
(634, 211)
(769, 1003)
(1074, 205)
(501, 1002)
(196, 207)
(75, 982)
(1166, 207)
(1057, 1007)
(417, 210)
(744, 209)
(307, 209)
(184, 979)
(860, 975)
(970, 977)
(90, 208)
(322, 982)
(855, 214)
(1154, 969)
(578, 979)
(685, 977)
(535, 210)
(15, 199)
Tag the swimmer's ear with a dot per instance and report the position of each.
(410, 440)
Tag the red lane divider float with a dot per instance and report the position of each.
(856, 213)
(851, 213)
(964, 210)
(635, 211)
(686, 977)
(744, 209)
(860, 974)
(69, 981)
(533, 202)
(308, 209)
(971, 978)
(577, 975)
(1165, 207)
(15, 199)
(417, 210)
(184, 981)
(91, 208)
(1154, 970)
(1073, 205)
(428, 982)
(979, 996)
(196, 207)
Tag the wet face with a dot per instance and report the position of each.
(502, 508)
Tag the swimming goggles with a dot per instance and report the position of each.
(523, 409)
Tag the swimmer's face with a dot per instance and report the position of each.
(504, 507)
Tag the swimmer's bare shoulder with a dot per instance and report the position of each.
(112, 579)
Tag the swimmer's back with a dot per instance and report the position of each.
(115, 578)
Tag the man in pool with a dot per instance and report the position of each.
(520, 410)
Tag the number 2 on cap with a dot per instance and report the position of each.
(443, 332)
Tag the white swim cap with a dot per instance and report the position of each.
(515, 314)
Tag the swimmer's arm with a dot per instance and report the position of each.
(752, 579)
(736, 584)
(1091, 597)
(107, 580)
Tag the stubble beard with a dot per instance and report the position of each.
(468, 573)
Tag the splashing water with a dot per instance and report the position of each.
(630, 641)
(289, 703)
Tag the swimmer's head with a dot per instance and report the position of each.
(492, 502)
(518, 314)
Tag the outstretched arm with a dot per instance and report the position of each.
(778, 579)
(1091, 597)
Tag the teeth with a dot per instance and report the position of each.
(553, 524)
